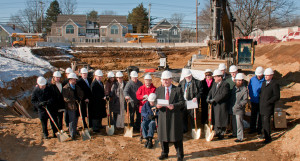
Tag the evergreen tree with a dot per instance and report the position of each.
(92, 16)
(51, 15)
(138, 17)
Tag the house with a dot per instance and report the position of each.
(113, 28)
(5, 34)
(166, 32)
(70, 28)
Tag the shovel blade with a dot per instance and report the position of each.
(196, 133)
(110, 130)
(209, 133)
(62, 136)
(85, 135)
(128, 132)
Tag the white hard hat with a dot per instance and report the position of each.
(208, 71)
(268, 71)
(217, 72)
(259, 71)
(166, 75)
(83, 70)
(134, 74)
(186, 73)
(222, 66)
(72, 76)
(41, 81)
(152, 97)
(56, 74)
(69, 70)
(239, 76)
(147, 76)
(98, 73)
(110, 74)
(233, 68)
(119, 74)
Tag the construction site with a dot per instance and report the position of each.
(20, 134)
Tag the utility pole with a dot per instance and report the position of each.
(41, 16)
(197, 4)
(149, 19)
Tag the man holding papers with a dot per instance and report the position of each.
(192, 91)
(170, 103)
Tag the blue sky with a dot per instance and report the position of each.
(159, 9)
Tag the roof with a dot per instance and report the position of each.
(79, 20)
(105, 20)
(10, 30)
(163, 24)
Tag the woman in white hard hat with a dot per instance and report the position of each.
(207, 84)
(58, 98)
(118, 100)
(41, 98)
(98, 110)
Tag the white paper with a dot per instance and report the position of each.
(191, 104)
(163, 102)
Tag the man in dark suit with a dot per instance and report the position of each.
(192, 90)
(218, 96)
(170, 116)
(84, 83)
(270, 94)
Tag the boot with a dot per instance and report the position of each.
(147, 142)
(150, 144)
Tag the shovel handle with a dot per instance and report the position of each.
(51, 118)
(128, 113)
(195, 118)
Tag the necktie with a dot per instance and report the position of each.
(87, 83)
(167, 94)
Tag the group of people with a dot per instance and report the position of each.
(226, 94)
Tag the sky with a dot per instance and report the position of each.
(159, 8)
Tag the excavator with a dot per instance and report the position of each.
(222, 46)
(141, 38)
(27, 39)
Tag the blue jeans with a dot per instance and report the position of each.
(73, 120)
(148, 128)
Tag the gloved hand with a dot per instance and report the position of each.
(145, 96)
(212, 101)
(44, 103)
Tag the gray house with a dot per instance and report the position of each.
(166, 32)
(5, 35)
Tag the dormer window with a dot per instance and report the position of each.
(70, 29)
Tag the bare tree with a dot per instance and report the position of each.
(108, 12)
(68, 7)
(177, 18)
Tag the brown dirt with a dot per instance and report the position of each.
(20, 138)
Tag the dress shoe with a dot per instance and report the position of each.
(179, 159)
(150, 144)
(267, 141)
(163, 157)
(238, 141)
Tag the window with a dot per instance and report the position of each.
(174, 32)
(58, 31)
(114, 29)
(70, 29)
(103, 39)
(159, 32)
(73, 40)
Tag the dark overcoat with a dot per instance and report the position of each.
(41, 95)
(269, 95)
(219, 107)
(204, 105)
(87, 94)
(58, 99)
(97, 104)
(170, 121)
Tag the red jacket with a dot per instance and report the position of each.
(143, 90)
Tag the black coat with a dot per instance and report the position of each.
(269, 95)
(170, 127)
(41, 95)
(194, 90)
(58, 99)
(97, 107)
(87, 94)
(219, 107)
(204, 105)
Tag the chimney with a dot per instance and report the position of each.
(14, 27)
